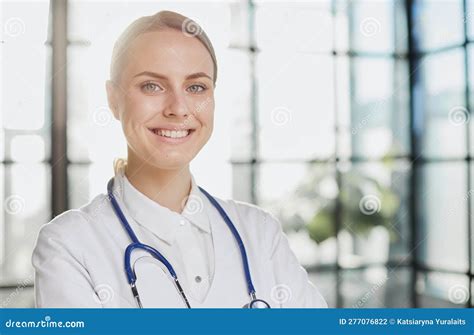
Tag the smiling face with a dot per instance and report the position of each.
(164, 98)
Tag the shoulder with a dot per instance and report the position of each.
(253, 217)
(73, 222)
(244, 209)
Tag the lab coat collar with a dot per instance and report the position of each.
(160, 220)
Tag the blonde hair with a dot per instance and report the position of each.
(163, 20)
(120, 165)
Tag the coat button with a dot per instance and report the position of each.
(197, 279)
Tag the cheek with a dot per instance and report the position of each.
(138, 111)
(206, 119)
(206, 113)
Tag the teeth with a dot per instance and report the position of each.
(172, 133)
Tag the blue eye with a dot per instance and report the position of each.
(151, 88)
(196, 88)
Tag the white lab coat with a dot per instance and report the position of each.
(79, 261)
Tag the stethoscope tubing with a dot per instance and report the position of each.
(136, 244)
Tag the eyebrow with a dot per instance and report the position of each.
(160, 76)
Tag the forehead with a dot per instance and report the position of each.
(169, 52)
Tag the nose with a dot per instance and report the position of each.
(177, 106)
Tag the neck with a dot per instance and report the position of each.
(167, 187)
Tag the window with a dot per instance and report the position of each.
(348, 120)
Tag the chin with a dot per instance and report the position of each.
(167, 163)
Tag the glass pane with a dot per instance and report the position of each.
(213, 173)
(443, 102)
(295, 106)
(24, 77)
(87, 181)
(242, 182)
(298, 26)
(376, 287)
(442, 290)
(2, 140)
(233, 104)
(240, 36)
(470, 196)
(27, 148)
(341, 25)
(472, 290)
(93, 132)
(302, 197)
(442, 229)
(469, 17)
(378, 26)
(325, 281)
(470, 67)
(376, 213)
(27, 203)
(380, 110)
(438, 23)
(343, 106)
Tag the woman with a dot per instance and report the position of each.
(185, 248)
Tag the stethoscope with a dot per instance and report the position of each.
(136, 244)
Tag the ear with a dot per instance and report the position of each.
(112, 97)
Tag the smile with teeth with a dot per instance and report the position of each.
(172, 133)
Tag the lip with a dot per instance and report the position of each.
(171, 140)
